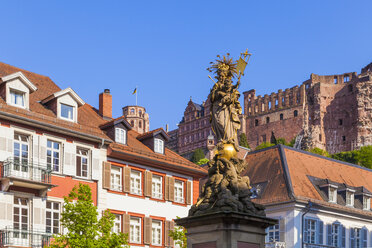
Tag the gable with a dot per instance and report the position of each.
(19, 81)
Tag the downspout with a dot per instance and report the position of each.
(307, 210)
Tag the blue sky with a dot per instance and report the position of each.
(164, 47)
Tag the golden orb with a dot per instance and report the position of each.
(227, 152)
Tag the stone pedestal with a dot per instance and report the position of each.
(226, 230)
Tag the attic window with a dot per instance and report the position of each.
(349, 198)
(158, 146)
(67, 112)
(17, 98)
(332, 194)
(120, 135)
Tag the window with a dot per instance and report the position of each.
(366, 203)
(156, 232)
(52, 217)
(20, 217)
(53, 152)
(349, 198)
(256, 122)
(132, 123)
(135, 182)
(267, 119)
(67, 112)
(120, 135)
(140, 124)
(281, 116)
(350, 88)
(332, 194)
(117, 224)
(335, 234)
(157, 188)
(311, 229)
(340, 122)
(343, 138)
(116, 178)
(81, 162)
(335, 80)
(346, 79)
(20, 153)
(159, 145)
(355, 238)
(17, 98)
(178, 191)
(263, 138)
(135, 230)
(295, 113)
(132, 111)
(272, 233)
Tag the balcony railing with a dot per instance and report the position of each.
(23, 238)
(307, 245)
(275, 244)
(29, 171)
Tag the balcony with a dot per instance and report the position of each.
(22, 238)
(307, 245)
(29, 175)
(275, 245)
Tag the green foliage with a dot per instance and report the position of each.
(179, 236)
(362, 157)
(349, 157)
(243, 140)
(79, 216)
(202, 161)
(281, 141)
(319, 151)
(197, 155)
(292, 142)
(264, 145)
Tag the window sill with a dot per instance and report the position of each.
(157, 199)
(136, 244)
(135, 195)
(179, 204)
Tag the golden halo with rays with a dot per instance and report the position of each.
(220, 63)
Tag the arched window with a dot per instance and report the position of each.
(140, 123)
(132, 111)
(295, 113)
(140, 112)
(256, 122)
(132, 123)
(281, 116)
(267, 119)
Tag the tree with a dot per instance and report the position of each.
(84, 230)
(202, 161)
(264, 145)
(179, 236)
(243, 140)
(197, 155)
(364, 156)
(319, 151)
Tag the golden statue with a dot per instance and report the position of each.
(225, 189)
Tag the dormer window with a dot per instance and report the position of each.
(349, 198)
(366, 203)
(159, 145)
(67, 112)
(332, 194)
(17, 98)
(120, 135)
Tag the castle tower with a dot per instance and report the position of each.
(137, 117)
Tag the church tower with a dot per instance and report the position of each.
(137, 117)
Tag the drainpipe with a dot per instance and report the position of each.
(306, 210)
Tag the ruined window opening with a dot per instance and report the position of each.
(269, 105)
(256, 122)
(335, 80)
(263, 138)
(346, 78)
(350, 87)
(249, 110)
(281, 116)
(267, 119)
(283, 103)
(340, 122)
(262, 107)
(320, 137)
(132, 123)
(343, 138)
(298, 98)
(307, 86)
(295, 113)
(256, 109)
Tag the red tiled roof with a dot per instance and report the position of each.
(151, 133)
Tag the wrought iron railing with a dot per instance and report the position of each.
(24, 238)
(307, 245)
(31, 171)
(275, 244)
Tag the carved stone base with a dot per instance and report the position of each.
(226, 230)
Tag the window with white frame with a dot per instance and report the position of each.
(159, 145)
(20, 217)
(157, 189)
(335, 229)
(53, 153)
(156, 232)
(355, 238)
(178, 191)
(366, 203)
(82, 161)
(67, 112)
(135, 230)
(311, 231)
(116, 175)
(17, 98)
(117, 223)
(272, 233)
(332, 194)
(120, 135)
(135, 182)
(349, 198)
(52, 217)
(20, 156)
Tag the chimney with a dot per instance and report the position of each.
(105, 104)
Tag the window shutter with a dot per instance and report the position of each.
(351, 237)
(69, 151)
(78, 166)
(126, 179)
(171, 228)
(166, 233)
(282, 230)
(95, 164)
(148, 184)
(106, 175)
(171, 188)
(126, 224)
(166, 189)
(343, 236)
(306, 237)
(364, 237)
(2, 143)
(188, 193)
(329, 234)
(147, 231)
(320, 232)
